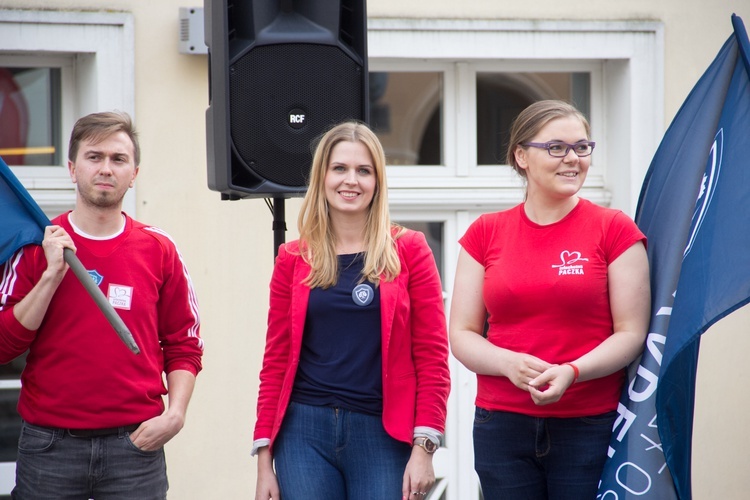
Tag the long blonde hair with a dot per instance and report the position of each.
(317, 241)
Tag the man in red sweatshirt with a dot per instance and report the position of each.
(94, 420)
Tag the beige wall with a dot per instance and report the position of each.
(229, 245)
(721, 441)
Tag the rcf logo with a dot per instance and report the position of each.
(297, 118)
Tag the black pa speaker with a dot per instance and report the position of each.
(281, 72)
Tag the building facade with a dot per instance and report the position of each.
(445, 80)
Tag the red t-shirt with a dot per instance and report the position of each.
(545, 289)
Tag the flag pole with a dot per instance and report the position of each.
(101, 301)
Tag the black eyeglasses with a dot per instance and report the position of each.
(560, 149)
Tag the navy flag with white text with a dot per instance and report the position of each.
(695, 210)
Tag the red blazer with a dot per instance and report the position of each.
(416, 378)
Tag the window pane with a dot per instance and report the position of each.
(501, 96)
(406, 113)
(10, 425)
(30, 116)
(12, 370)
(433, 232)
(10, 421)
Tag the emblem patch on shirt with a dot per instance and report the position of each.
(363, 294)
(120, 296)
(98, 278)
(570, 263)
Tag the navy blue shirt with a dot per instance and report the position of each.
(340, 362)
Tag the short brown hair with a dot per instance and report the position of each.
(98, 126)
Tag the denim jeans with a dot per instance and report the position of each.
(330, 453)
(518, 457)
(52, 464)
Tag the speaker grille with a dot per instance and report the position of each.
(266, 84)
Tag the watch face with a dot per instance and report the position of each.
(429, 446)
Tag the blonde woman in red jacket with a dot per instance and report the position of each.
(355, 379)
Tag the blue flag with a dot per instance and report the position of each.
(694, 208)
(21, 220)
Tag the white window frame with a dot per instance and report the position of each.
(453, 463)
(95, 52)
(625, 60)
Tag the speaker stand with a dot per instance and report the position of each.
(279, 224)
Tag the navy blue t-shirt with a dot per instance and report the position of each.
(340, 362)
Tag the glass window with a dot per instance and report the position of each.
(30, 113)
(501, 96)
(406, 113)
(10, 421)
(433, 232)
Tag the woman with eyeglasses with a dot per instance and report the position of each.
(551, 302)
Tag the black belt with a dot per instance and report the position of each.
(110, 431)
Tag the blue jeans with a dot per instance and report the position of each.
(52, 464)
(518, 457)
(326, 453)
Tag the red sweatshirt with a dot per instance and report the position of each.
(78, 373)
